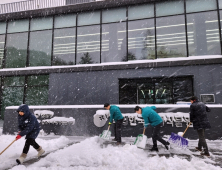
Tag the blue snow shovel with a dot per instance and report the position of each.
(141, 140)
(179, 140)
(106, 134)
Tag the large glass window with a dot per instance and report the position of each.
(18, 26)
(16, 50)
(89, 18)
(40, 48)
(155, 90)
(37, 90)
(220, 4)
(12, 92)
(2, 27)
(182, 89)
(2, 44)
(171, 37)
(114, 42)
(114, 15)
(41, 23)
(203, 34)
(64, 46)
(88, 45)
(169, 8)
(141, 40)
(68, 20)
(200, 5)
(141, 11)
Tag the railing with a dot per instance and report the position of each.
(37, 4)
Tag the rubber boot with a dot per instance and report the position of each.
(40, 151)
(154, 148)
(20, 160)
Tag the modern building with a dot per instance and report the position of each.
(116, 51)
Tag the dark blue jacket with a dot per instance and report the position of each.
(27, 124)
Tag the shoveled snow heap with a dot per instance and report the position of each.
(89, 155)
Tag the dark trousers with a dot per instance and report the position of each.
(117, 130)
(202, 141)
(29, 142)
(156, 137)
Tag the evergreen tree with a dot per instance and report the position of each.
(86, 59)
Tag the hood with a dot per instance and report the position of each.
(153, 107)
(24, 108)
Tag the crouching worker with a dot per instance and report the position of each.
(151, 117)
(29, 127)
(115, 114)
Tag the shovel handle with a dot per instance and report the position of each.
(108, 127)
(144, 130)
(186, 129)
(7, 147)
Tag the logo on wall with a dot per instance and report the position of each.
(174, 119)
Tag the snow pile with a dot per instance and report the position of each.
(7, 159)
(59, 121)
(91, 155)
(43, 113)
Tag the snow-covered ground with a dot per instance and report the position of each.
(63, 153)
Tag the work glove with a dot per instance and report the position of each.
(18, 137)
(110, 123)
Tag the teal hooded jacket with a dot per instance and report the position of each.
(115, 113)
(150, 116)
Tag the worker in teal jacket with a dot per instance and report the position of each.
(151, 117)
(116, 115)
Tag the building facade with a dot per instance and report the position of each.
(121, 52)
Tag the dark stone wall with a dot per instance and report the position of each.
(98, 87)
(84, 125)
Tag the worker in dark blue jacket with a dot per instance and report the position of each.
(28, 126)
(151, 117)
(116, 115)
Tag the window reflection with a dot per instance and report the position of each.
(64, 46)
(145, 93)
(2, 27)
(114, 42)
(2, 43)
(155, 90)
(16, 50)
(163, 93)
(88, 45)
(18, 26)
(171, 37)
(12, 93)
(40, 48)
(203, 34)
(141, 40)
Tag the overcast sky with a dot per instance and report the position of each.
(9, 1)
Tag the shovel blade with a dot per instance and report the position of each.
(140, 141)
(106, 134)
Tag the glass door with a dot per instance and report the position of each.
(163, 93)
(145, 93)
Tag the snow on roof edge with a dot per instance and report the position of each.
(119, 105)
(117, 63)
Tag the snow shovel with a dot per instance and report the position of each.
(179, 140)
(106, 134)
(7, 147)
(141, 139)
